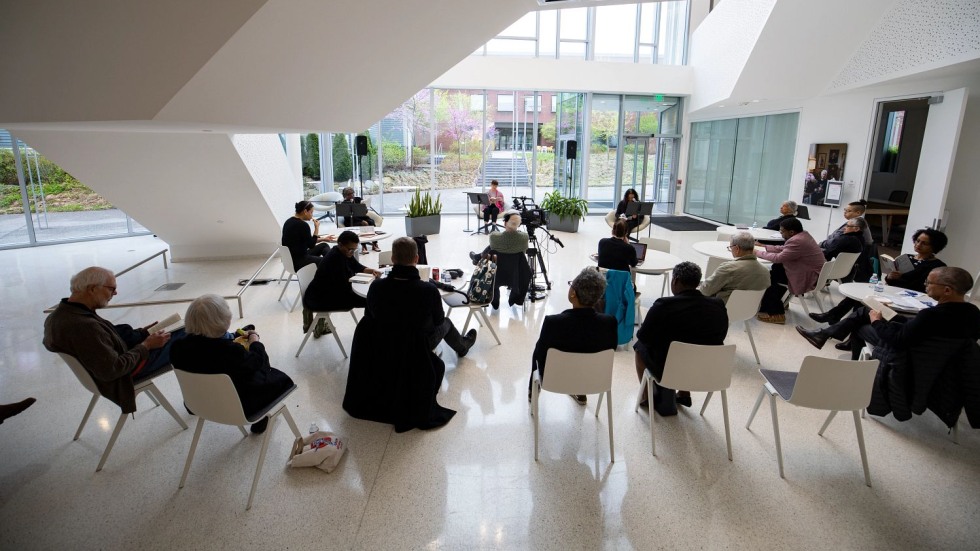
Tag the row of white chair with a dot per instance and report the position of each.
(822, 383)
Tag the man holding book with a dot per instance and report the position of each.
(951, 318)
(114, 355)
(330, 289)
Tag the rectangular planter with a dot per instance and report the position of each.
(563, 224)
(423, 225)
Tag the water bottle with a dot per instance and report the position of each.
(755, 225)
(875, 284)
(313, 428)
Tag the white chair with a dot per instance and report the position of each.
(974, 294)
(611, 219)
(212, 397)
(695, 368)
(305, 275)
(145, 385)
(287, 267)
(384, 258)
(843, 265)
(712, 265)
(822, 279)
(456, 300)
(822, 383)
(326, 203)
(575, 373)
(662, 245)
(722, 236)
(743, 306)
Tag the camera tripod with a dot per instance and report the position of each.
(535, 260)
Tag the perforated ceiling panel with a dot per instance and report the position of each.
(915, 35)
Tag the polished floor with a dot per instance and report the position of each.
(472, 484)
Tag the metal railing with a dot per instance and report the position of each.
(237, 297)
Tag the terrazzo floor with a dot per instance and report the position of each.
(472, 484)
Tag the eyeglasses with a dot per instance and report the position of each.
(113, 289)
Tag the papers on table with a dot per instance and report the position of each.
(910, 303)
(362, 278)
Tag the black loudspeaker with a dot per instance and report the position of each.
(571, 149)
(361, 143)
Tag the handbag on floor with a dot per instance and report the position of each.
(481, 283)
(320, 449)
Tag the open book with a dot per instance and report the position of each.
(901, 264)
(875, 304)
(169, 324)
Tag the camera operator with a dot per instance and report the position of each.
(508, 241)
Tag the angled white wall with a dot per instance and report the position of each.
(206, 195)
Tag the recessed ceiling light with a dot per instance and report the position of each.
(221, 221)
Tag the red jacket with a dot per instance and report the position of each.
(802, 258)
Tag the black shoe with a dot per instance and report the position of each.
(467, 342)
(821, 318)
(9, 410)
(475, 257)
(816, 338)
(259, 426)
(581, 399)
(248, 327)
(846, 345)
(684, 398)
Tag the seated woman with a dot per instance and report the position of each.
(331, 289)
(631, 221)
(616, 253)
(208, 348)
(508, 241)
(927, 242)
(495, 207)
(304, 247)
(358, 220)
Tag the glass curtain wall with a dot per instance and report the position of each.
(59, 208)
(648, 32)
(740, 170)
(604, 149)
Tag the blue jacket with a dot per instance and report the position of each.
(620, 303)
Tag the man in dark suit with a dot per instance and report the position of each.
(580, 328)
(850, 240)
(689, 317)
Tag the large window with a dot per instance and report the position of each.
(739, 170)
(647, 32)
(58, 207)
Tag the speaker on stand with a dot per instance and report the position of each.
(361, 147)
(571, 153)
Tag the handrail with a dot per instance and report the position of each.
(162, 254)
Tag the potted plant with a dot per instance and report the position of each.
(423, 214)
(564, 213)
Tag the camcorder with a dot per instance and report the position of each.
(532, 215)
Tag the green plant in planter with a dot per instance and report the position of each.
(422, 204)
(564, 207)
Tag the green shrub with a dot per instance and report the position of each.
(343, 165)
(393, 155)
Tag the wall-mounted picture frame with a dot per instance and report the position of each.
(824, 164)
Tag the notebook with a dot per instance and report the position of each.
(641, 251)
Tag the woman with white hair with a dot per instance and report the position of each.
(209, 349)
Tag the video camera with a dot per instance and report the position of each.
(532, 215)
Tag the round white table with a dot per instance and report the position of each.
(759, 234)
(916, 300)
(656, 262)
(717, 249)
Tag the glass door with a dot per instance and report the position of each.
(639, 160)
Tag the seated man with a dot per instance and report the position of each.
(796, 264)
(687, 316)
(579, 329)
(508, 241)
(849, 240)
(348, 193)
(853, 211)
(331, 289)
(112, 354)
(394, 376)
(786, 210)
(745, 272)
(952, 318)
